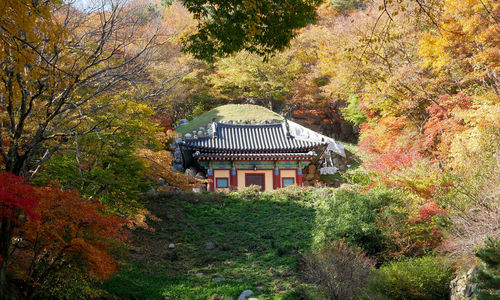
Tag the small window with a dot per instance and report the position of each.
(222, 183)
(288, 181)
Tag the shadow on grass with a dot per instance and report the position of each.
(257, 246)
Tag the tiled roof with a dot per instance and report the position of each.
(262, 137)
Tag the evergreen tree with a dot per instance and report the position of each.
(488, 275)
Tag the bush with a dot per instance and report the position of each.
(353, 217)
(341, 270)
(423, 278)
(488, 272)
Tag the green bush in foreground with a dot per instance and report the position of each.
(423, 278)
(354, 217)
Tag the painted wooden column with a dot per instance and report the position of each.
(299, 176)
(276, 178)
(234, 178)
(210, 177)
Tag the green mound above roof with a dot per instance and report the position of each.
(244, 112)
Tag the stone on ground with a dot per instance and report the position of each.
(209, 245)
(245, 294)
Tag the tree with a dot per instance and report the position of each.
(71, 233)
(18, 201)
(260, 26)
(488, 273)
(58, 69)
(245, 76)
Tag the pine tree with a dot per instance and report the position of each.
(488, 274)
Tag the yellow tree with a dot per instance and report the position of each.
(56, 62)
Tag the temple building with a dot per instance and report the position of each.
(239, 155)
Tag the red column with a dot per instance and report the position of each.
(234, 179)
(276, 179)
(210, 176)
(299, 176)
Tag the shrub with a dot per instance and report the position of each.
(343, 271)
(423, 278)
(488, 272)
(353, 217)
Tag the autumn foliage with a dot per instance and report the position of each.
(17, 198)
(71, 228)
(53, 230)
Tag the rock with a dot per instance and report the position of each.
(200, 133)
(245, 294)
(202, 128)
(462, 288)
(171, 246)
(218, 278)
(167, 298)
(188, 135)
(191, 171)
(260, 288)
(183, 121)
(200, 175)
(253, 298)
(199, 274)
(178, 140)
(177, 168)
(209, 245)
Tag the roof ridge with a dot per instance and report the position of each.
(247, 125)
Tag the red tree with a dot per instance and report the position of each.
(17, 203)
(71, 232)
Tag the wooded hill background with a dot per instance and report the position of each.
(89, 93)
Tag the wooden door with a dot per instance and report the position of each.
(256, 179)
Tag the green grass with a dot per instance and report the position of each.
(259, 241)
(245, 112)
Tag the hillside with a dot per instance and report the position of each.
(244, 112)
(214, 246)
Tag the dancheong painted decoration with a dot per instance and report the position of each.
(239, 155)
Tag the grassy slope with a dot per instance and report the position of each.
(245, 112)
(258, 244)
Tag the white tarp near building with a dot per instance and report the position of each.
(302, 132)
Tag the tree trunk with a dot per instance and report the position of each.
(5, 243)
